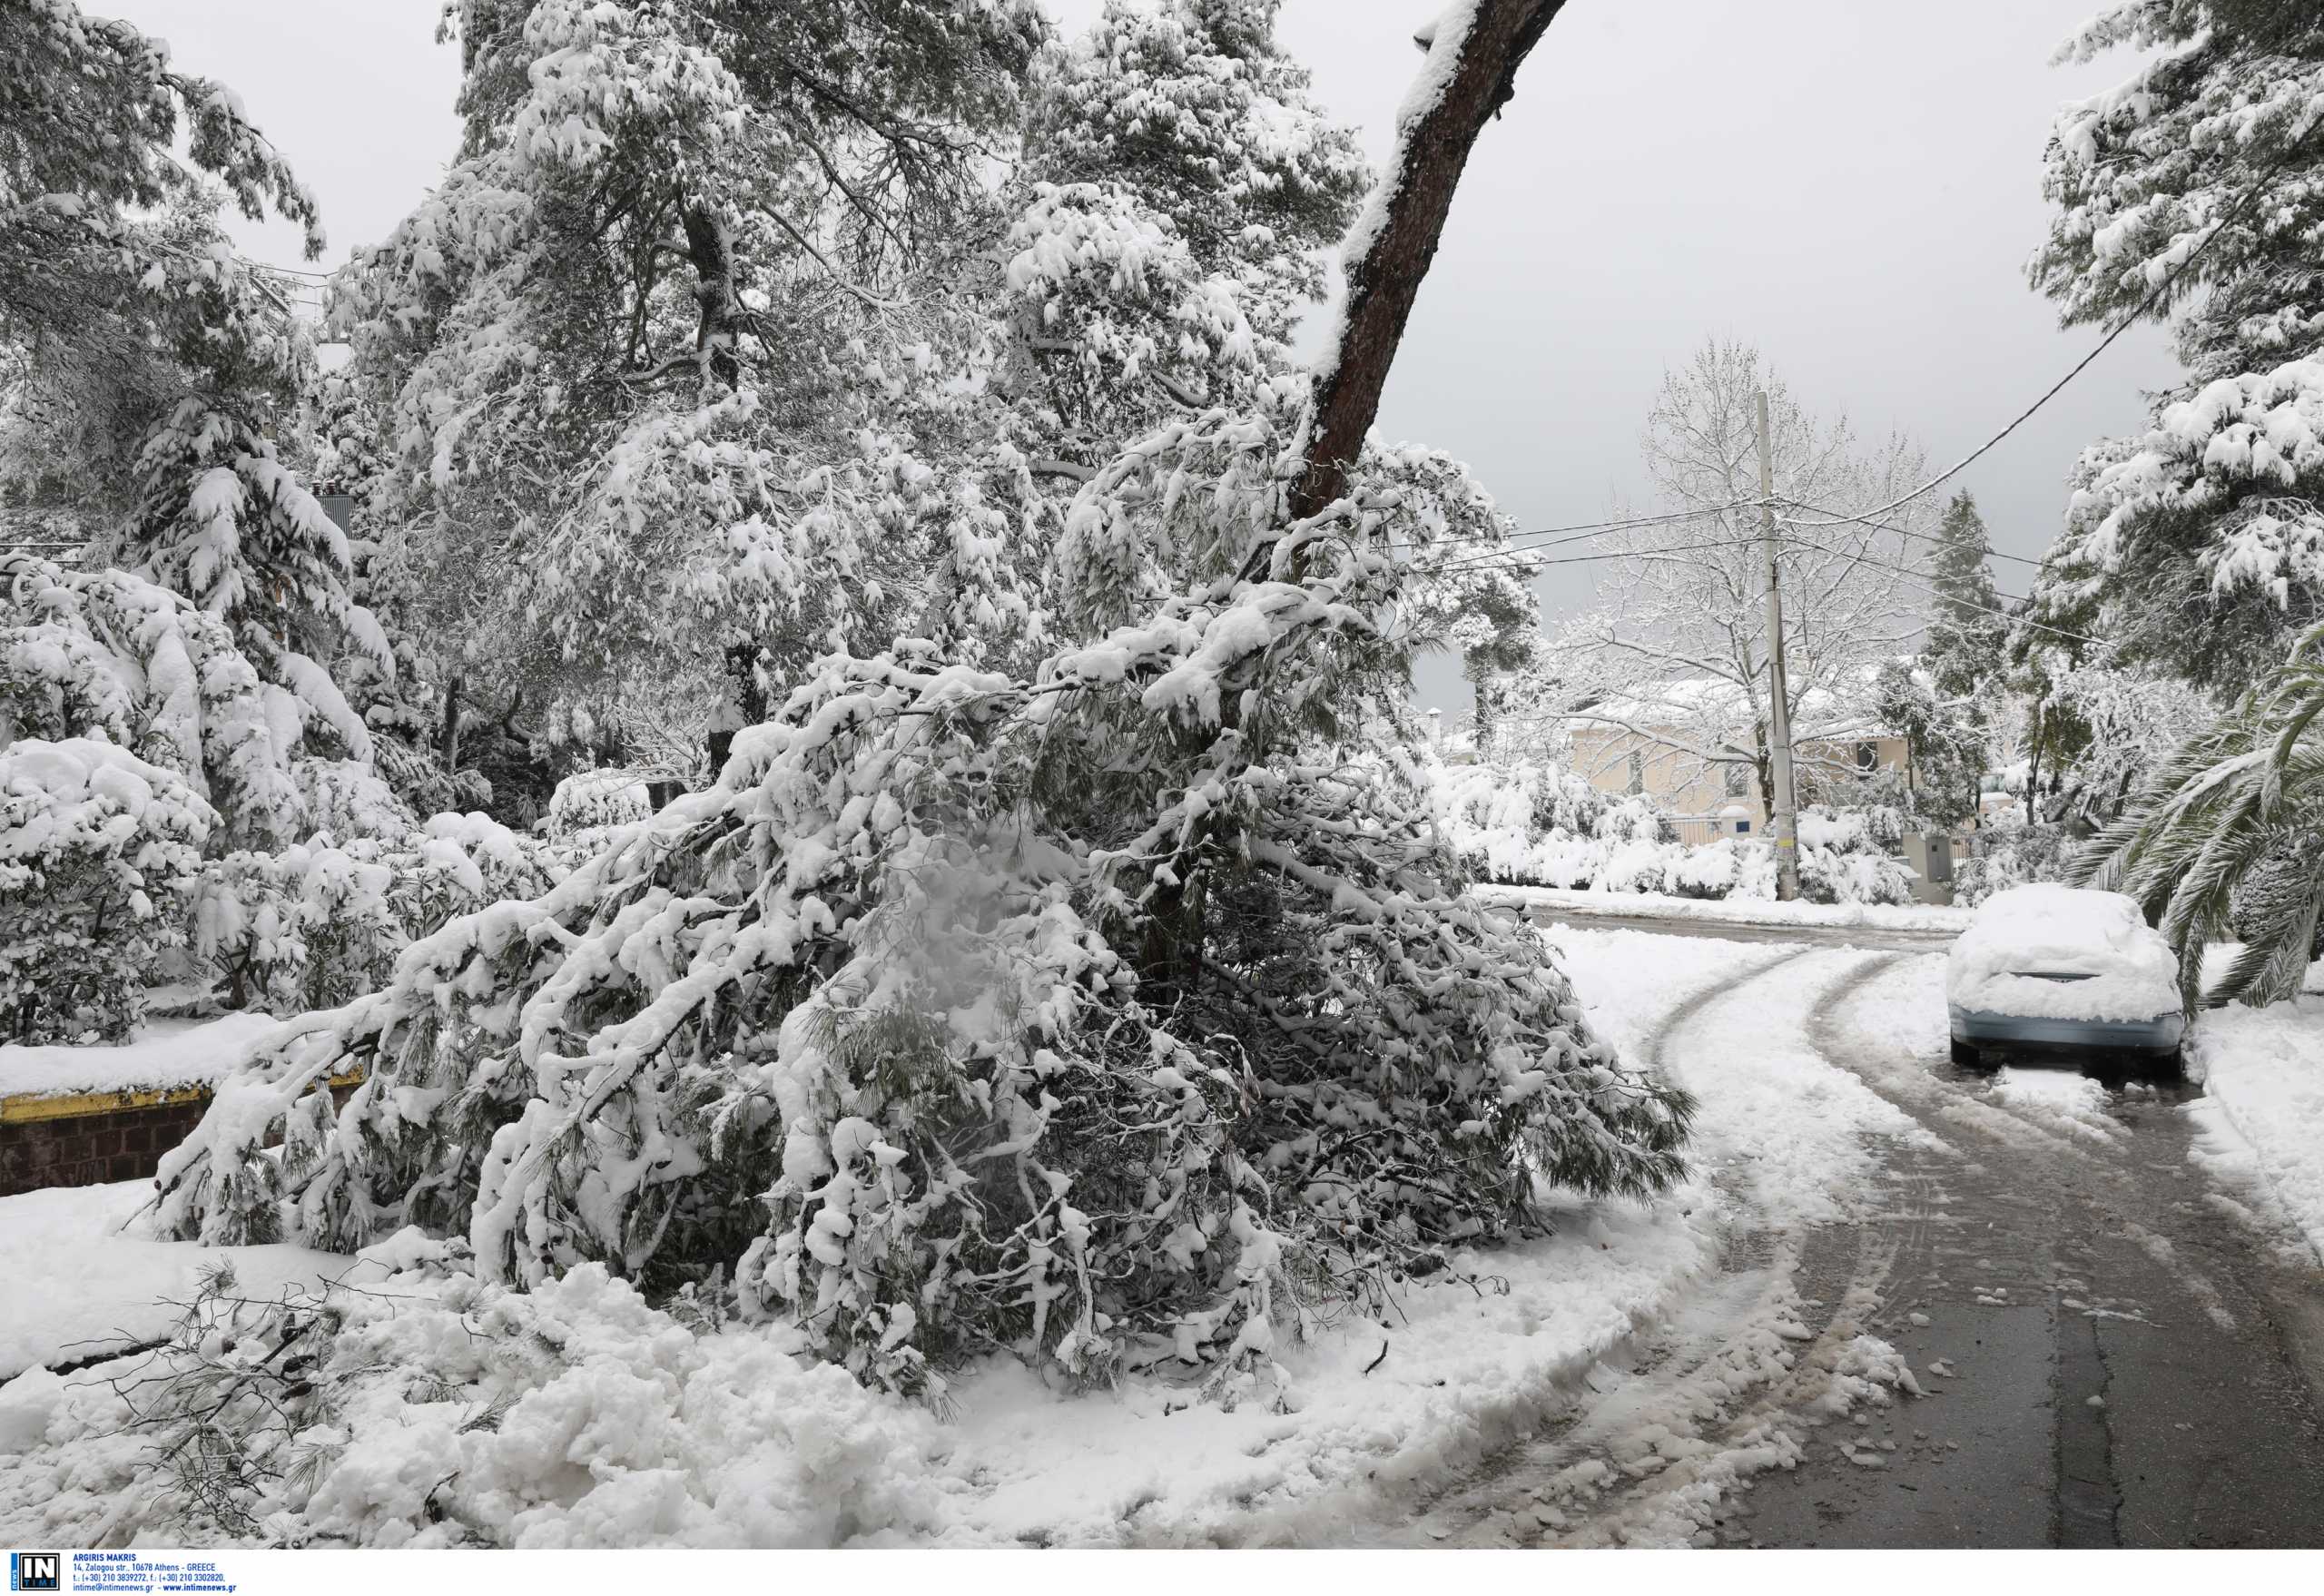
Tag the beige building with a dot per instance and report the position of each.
(1640, 749)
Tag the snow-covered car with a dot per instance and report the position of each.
(2063, 967)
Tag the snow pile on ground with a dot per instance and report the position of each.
(1757, 911)
(637, 1429)
(82, 1287)
(2131, 973)
(2260, 1122)
(166, 1054)
(2065, 1098)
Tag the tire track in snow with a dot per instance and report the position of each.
(1670, 1424)
(2173, 1413)
(1833, 1034)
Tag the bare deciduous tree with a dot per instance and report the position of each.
(1675, 651)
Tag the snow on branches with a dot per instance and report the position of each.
(111, 654)
(2194, 191)
(1105, 1012)
(1193, 105)
(98, 851)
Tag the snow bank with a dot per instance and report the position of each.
(2260, 1121)
(2132, 973)
(166, 1054)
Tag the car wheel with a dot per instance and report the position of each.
(1968, 1055)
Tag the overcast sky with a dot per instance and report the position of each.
(1853, 186)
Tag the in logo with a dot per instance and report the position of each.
(35, 1571)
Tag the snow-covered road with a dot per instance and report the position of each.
(2103, 1350)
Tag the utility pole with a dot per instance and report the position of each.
(1783, 820)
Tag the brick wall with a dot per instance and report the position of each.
(91, 1148)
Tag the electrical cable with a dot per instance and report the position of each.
(2014, 616)
(1842, 518)
(2138, 313)
(1522, 558)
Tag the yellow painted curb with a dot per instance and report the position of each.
(31, 1109)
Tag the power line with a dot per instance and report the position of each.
(1576, 532)
(1521, 558)
(2154, 297)
(2014, 616)
(1841, 519)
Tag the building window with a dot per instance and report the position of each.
(1638, 772)
(1739, 781)
(1868, 757)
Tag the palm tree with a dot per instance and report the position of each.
(2246, 794)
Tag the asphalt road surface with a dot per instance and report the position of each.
(2107, 1353)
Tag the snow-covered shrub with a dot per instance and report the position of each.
(1726, 867)
(318, 923)
(1548, 826)
(1543, 826)
(111, 651)
(588, 801)
(1836, 875)
(1108, 1015)
(1845, 858)
(1830, 870)
(2004, 856)
(350, 798)
(98, 851)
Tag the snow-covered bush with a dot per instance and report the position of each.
(318, 923)
(2001, 857)
(98, 851)
(1833, 870)
(589, 801)
(1546, 826)
(110, 652)
(1543, 826)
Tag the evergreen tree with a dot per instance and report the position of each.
(636, 361)
(1967, 626)
(154, 356)
(2197, 544)
(1193, 106)
(1946, 719)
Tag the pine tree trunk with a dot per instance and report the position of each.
(712, 257)
(1381, 285)
(1383, 282)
